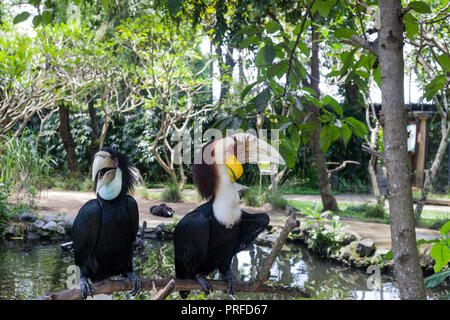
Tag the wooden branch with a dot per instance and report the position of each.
(369, 150)
(164, 293)
(111, 286)
(370, 46)
(264, 274)
(342, 166)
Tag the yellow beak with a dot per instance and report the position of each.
(234, 168)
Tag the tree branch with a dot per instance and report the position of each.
(370, 46)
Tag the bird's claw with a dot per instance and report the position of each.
(232, 282)
(86, 288)
(204, 283)
(136, 283)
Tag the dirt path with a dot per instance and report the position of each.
(68, 203)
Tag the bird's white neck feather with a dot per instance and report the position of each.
(112, 190)
(226, 200)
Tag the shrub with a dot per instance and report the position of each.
(368, 210)
(171, 193)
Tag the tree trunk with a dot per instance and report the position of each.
(67, 139)
(95, 143)
(430, 175)
(328, 200)
(403, 234)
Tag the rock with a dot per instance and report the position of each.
(47, 219)
(38, 224)
(365, 247)
(349, 237)
(50, 226)
(67, 246)
(68, 222)
(27, 217)
(60, 229)
(11, 231)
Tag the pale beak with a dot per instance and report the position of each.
(251, 149)
(103, 160)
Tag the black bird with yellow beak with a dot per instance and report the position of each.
(105, 228)
(210, 236)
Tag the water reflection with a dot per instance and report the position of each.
(28, 271)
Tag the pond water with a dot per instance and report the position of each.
(27, 271)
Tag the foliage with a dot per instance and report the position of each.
(171, 193)
(24, 171)
(254, 198)
(367, 210)
(327, 232)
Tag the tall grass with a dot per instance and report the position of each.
(171, 193)
(23, 170)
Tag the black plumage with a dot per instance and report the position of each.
(202, 244)
(104, 231)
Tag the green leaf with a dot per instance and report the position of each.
(307, 130)
(346, 133)
(248, 88)
(288, 152)
(253, 39)
(35, 3)
(295, 137)
(36, 21)
(388, 256)
(358, 127)
(272, 27)
(299, 70)
(46, 17)
(441, 254)
(21, 17)
(269, 53)
(333, 103)
(76, 2)
(323, 7)
(420, 6)
(278, 70)
(445, 229)
(303, 48)
(262, 99)
(411, 26)
(311, 91)
(436, 279)
(444, 61)
(432, 88)
(328, 135)
(345, 33)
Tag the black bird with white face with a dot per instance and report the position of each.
(105, 228)
(210, 236)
